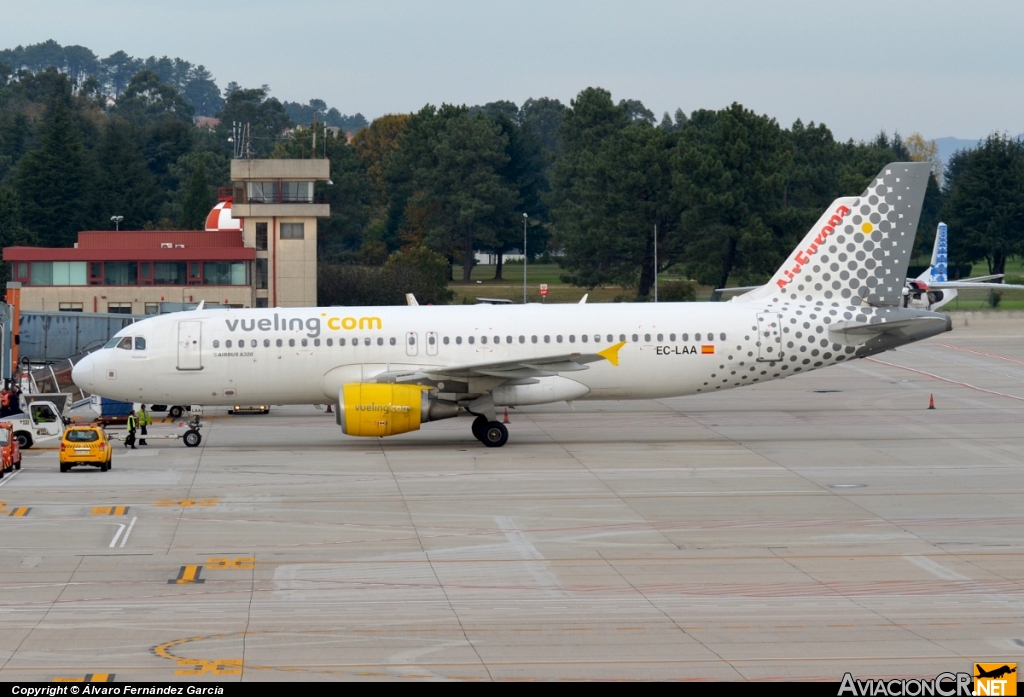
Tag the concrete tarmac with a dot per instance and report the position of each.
(798, 529)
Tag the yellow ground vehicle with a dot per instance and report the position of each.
(85, 445)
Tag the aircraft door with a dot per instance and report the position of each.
(411, 344)
(190, 345)
(769, 336)
(431, 343)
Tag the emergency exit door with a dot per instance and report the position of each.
(412, 342)
(769, 336)
(190, 343)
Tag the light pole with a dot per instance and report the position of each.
(525, 217)
(116, 219)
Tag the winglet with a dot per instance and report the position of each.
(584, 300)
(410, 300)
(611, 354)
(200, 305)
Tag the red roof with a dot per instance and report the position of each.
(142, 245)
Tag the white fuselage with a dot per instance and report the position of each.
(303, 355)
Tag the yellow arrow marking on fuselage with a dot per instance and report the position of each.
(611, 354)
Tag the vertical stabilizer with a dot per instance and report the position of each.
(859, 249)
(938, 271)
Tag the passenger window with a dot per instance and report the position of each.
(125, 343)
(316, 342)
(533, 338)
(266, 343)
(547, 339)
(253, 343)
(721, 336)
(380, 341)
(685, 337)
(612, 338)
(341, 342)
(483, 340)
(572, 338)
(661, 337)
(140, 344)
(446, 341)
(458, 340)
(636, 338)
(622, 337)
(330, 342)
(305, 343)
(558, 338)
(508, 340)
(227, 344)
(522, 339)
(392, 341)
(472, 339)
(647, 337)
(291, 342)
(696, 337)
(497, 339)
(216, 344)
(279, 344)
(671, 337)
(430, 340)
(366, 341)
(583, 338)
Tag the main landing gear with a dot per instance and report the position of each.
(493, 434)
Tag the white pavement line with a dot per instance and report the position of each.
(954, 382)
(120, 529)
(129, 531)
(937, 569)
(539, 568)
(10, 477)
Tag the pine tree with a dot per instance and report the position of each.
(196, 205)
(125, 185)
(54, 182)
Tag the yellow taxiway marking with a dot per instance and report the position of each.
(90, 677)
(110, 510)
(186, 503)
(220, 666)
(188, 574)
(20, 512)
(236, 563)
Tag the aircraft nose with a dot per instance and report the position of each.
(83, 374)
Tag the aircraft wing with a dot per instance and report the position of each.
(544, 366)
(963, 285)
(737, 289)
(990, 277)
(536, 367)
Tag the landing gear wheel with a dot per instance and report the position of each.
(176, 412)
(192, 438)
(479, 424)
(495, 435)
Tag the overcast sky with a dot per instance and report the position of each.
(942, 68)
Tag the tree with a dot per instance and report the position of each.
(729, 176)
(125, 185)
(543, 117)
(201, 92)
(985, 205)
(12, 232)
(610, 186)
(196, 205)
(118, 69)
(54, 181)
(265, 116)
(147, 99)
(458, 192)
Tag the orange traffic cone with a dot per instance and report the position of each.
(329, 410)
(505, 420)
(931, 401)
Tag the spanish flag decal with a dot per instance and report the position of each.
(707, 349)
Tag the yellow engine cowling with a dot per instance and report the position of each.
(386, 409)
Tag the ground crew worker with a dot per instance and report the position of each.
(133, 422)
(5, 402)
(144, 420)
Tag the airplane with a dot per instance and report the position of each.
(996, 673)
(933, 289)
(388, 370)
(929, 291)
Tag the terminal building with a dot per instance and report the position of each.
(258, 250)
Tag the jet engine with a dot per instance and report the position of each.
(387, 409)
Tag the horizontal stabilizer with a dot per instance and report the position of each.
(906, 327)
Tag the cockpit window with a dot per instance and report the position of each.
(140, 343)
(125, 343)
(113, 342)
